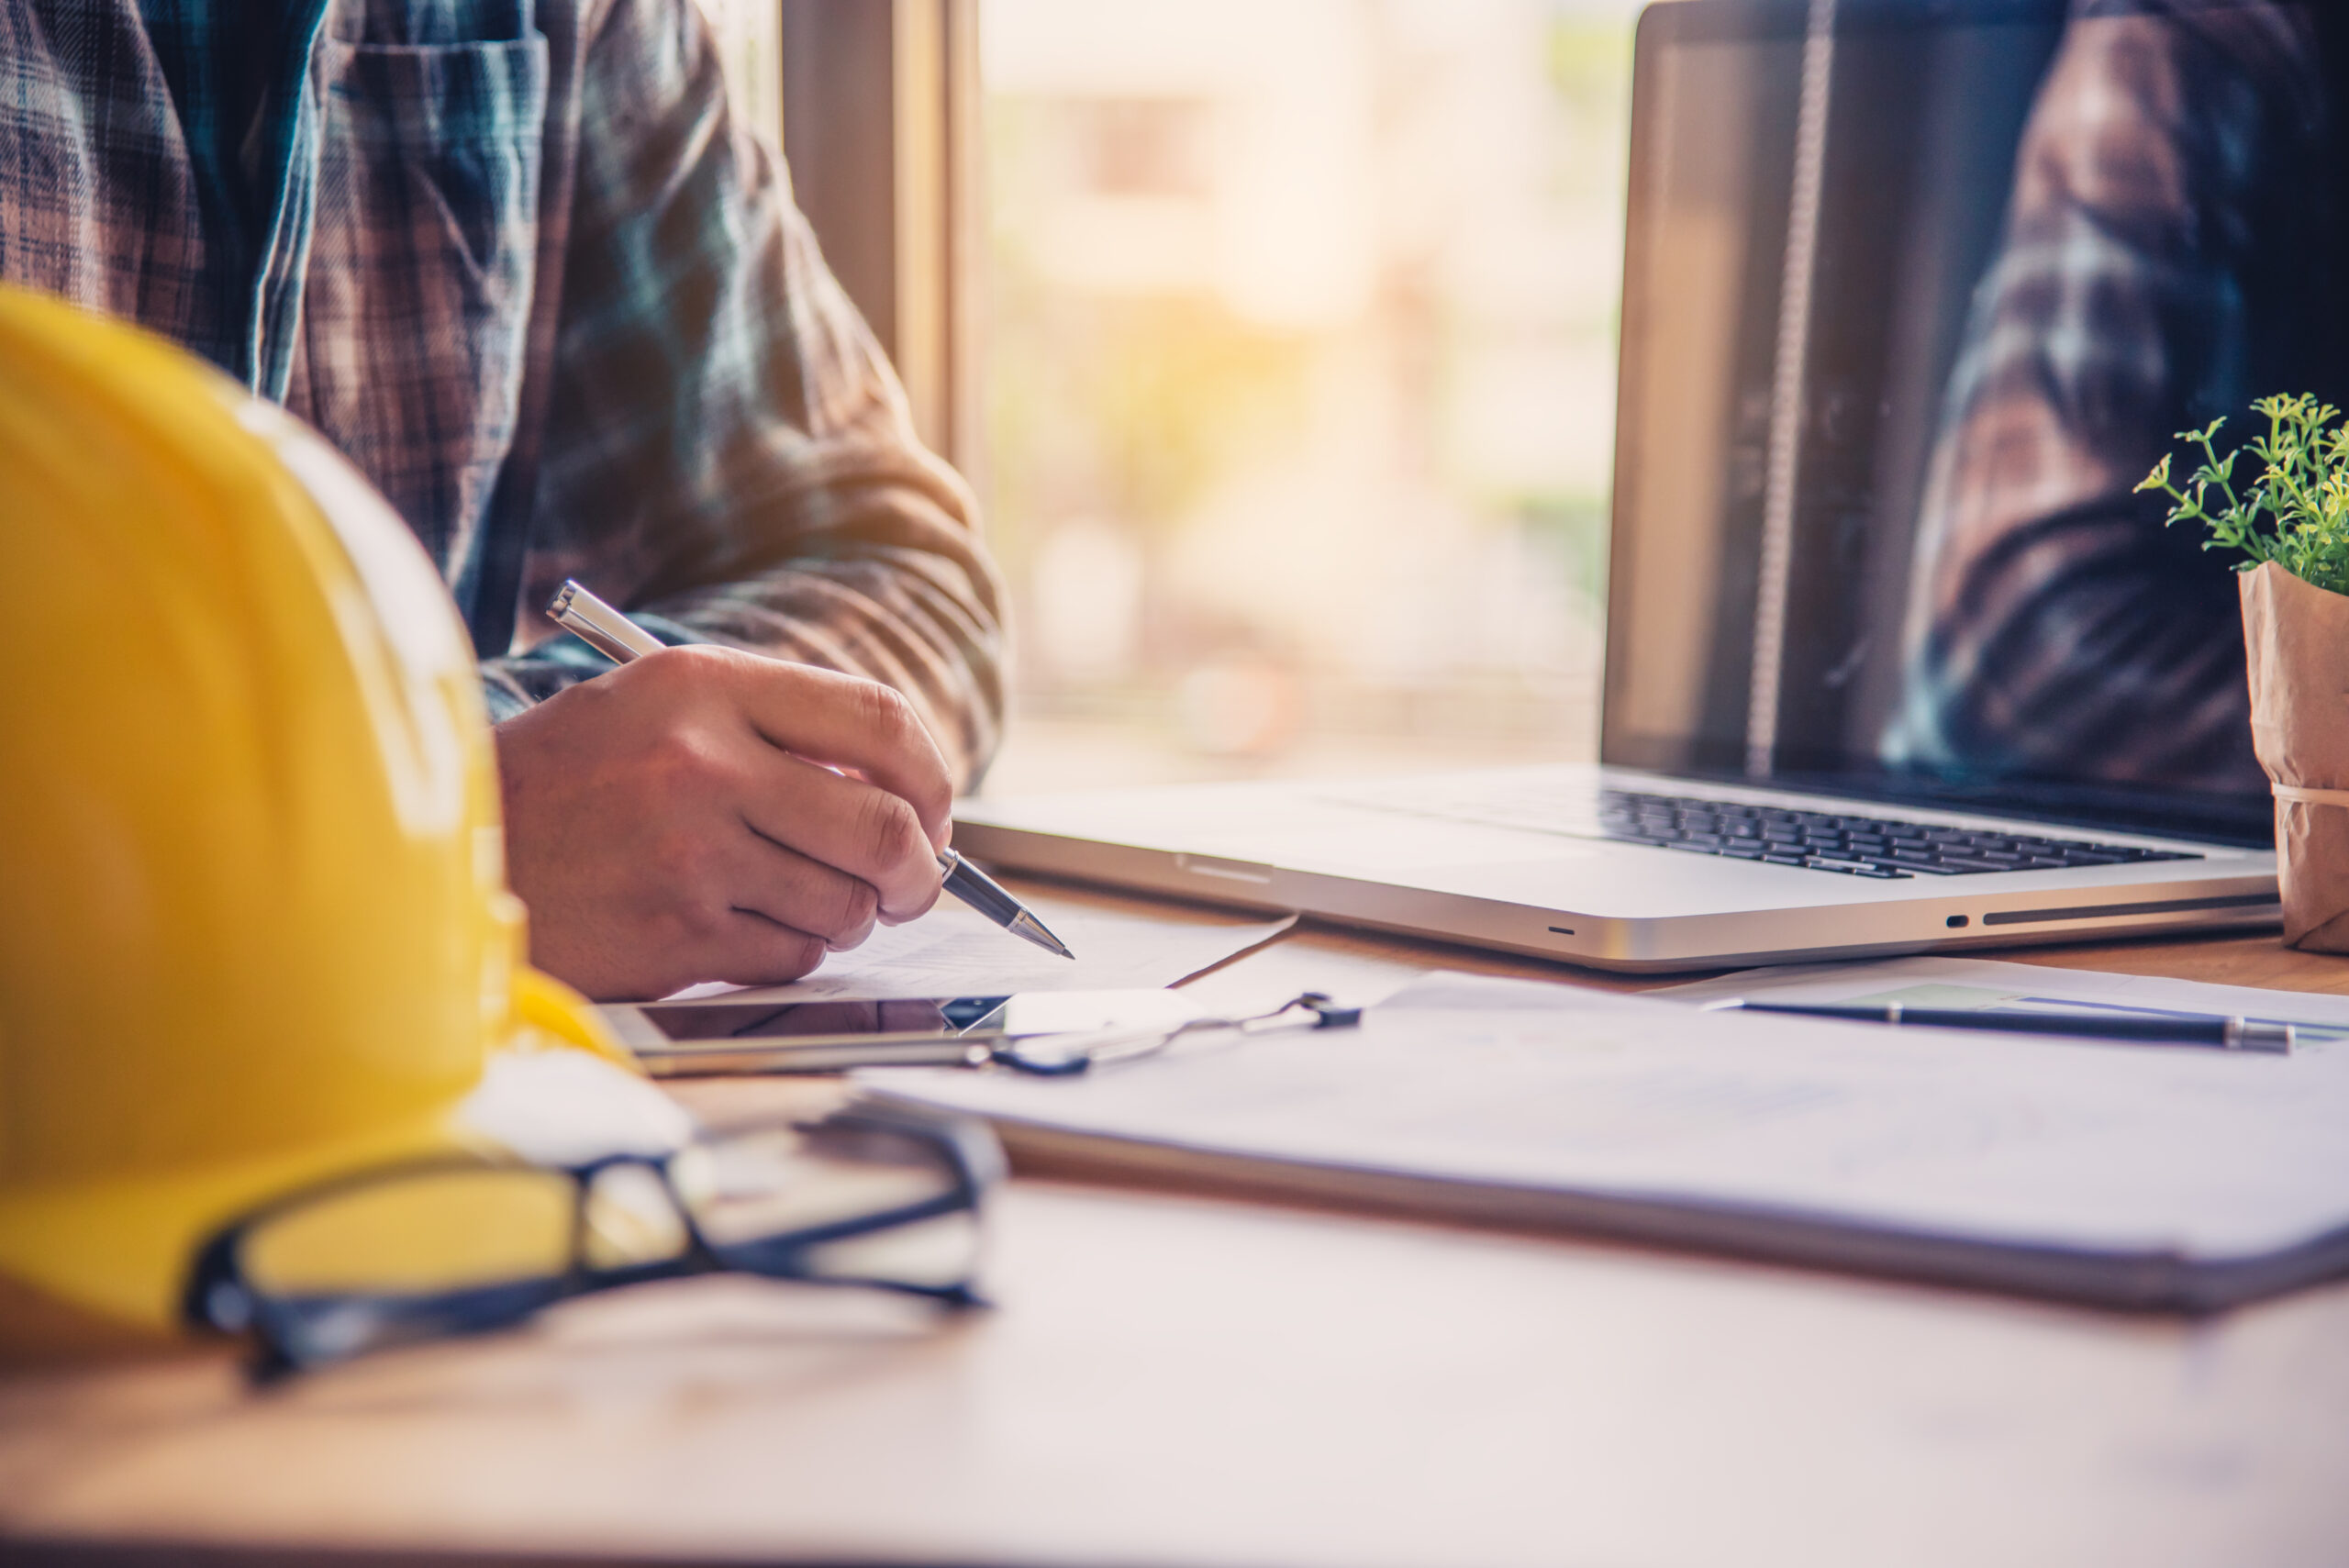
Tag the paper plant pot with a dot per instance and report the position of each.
(2296, 640)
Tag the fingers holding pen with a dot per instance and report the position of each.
(846, 721)
(745, 948)
(852, 827)
(799, 894)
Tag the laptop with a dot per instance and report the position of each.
(1814, 743)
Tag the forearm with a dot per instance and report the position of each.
(2091, 648)
(908, 601)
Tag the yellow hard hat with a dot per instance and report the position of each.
(255, 927)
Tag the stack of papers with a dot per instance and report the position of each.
(2119, 1173)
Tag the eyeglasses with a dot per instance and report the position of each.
(1059, 1054)
(876, 1197)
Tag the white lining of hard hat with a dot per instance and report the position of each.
(564, 1107)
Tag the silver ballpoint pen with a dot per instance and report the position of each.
(621, 640)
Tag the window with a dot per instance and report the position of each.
(1280, 340)
(750, 39)
(1301, 377)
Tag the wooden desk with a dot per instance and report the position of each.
(1176, 1380)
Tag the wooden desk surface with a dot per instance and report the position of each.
(1172, 1379)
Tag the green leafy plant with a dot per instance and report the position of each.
(2296, 511)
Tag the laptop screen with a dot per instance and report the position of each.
(1916, 292)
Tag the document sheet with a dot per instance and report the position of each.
(953, 951)
(2119, 1172)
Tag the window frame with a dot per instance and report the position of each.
(881, 127)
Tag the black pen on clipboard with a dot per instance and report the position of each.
(2260, 1034)
(621, 640)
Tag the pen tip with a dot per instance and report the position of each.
(1026, 925)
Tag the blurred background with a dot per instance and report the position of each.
(1293, 374)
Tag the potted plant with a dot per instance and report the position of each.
(2292, 525)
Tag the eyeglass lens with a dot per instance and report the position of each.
(824, 1202)
(425, 1252)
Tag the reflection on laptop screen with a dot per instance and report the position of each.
(1912, 301)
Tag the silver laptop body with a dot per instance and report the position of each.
(1756, 803)
(1570, 894)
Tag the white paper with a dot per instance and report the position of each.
(953, 951)
(2087, 1147)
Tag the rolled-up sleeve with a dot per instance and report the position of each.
(729, 456)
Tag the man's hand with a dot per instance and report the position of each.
(680, 820)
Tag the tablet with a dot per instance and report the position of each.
(762, 1032)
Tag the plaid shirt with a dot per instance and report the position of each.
(2152, 278)
(516, 260)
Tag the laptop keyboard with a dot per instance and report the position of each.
(1856, 846)
(1883, 847)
